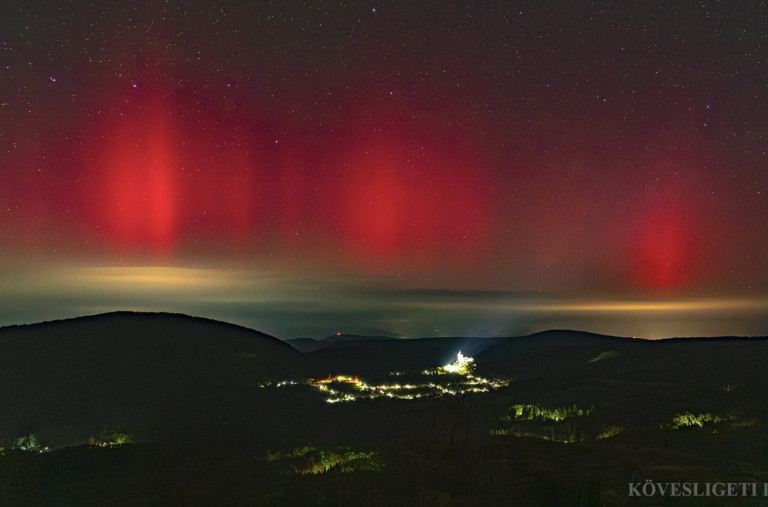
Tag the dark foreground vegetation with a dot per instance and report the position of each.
(137, 409)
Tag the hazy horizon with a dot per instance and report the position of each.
(291, 306)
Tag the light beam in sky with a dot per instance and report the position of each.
(133, 194)
(665, 246)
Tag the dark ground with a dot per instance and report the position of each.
(189, 393)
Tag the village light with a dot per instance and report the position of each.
(462, 365)
(335, 387)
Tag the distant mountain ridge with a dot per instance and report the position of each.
(311, 344)
(344, 337)
(550, 337)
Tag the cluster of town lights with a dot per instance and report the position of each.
(340, 388)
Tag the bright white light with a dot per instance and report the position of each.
(461, 365)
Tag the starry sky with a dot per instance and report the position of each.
(409, 168)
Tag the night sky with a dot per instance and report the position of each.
(408, 168)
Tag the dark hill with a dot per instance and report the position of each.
(304, 344)
(380, 355)
(156, 372)
(344, 337)
(311, 344)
